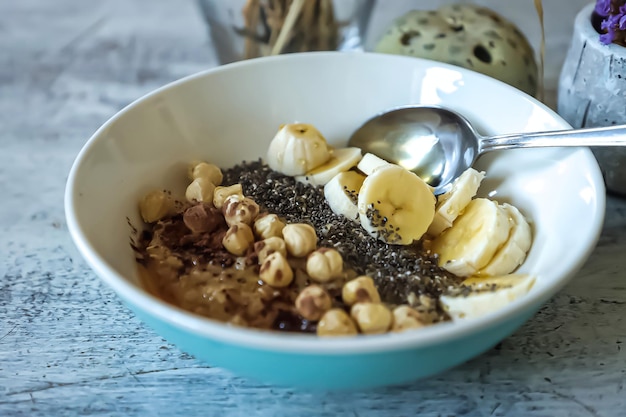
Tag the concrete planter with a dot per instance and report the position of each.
(592, 92)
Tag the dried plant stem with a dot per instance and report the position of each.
(281, 26)
(542, 51)
(325, 25)
(274, 13)
(251, 12)
(285, 32)
(307, 23)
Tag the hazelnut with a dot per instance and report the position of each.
(154, 206)
(336, 322)
(202, 218)
(324, 264)
(238, 239)
(313, 302)
(275, 270)
(268, 225)
(173, 262)
(371, 318)
(239, 209)
(300, 239)
(405, 318)
(427, 302)
(208, 171)
(360, 290)
(270, 245)
(200, 190)
(222, 193)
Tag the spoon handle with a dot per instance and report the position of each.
(596, 136)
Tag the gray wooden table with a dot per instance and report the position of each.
(67, 345)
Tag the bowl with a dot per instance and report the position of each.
(230, 113)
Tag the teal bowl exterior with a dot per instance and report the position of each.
(322, 372)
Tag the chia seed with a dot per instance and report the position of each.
(401, 273)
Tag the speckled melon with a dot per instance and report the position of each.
(469, 36)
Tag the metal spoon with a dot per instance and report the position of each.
(438, 144)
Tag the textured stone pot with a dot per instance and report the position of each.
(592, 91)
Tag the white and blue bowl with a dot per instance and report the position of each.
(230, 113)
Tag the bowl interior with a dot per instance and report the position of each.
(230, 114)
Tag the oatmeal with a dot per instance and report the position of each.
(324, 240)
(184, 260)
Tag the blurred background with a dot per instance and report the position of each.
(132, 46)
(558, 16)
(370, 19)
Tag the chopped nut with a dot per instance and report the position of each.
(300, 239)
(238, 239)
(173, 262)
(222, 193)
(427, 302)
(268, 225)
(275, 270)
(360, 290)
(190, 168)
(200, 190)
(336, 322)
(202, 218)
(154, 206)
(405, 318)
(324, 264)
(371, 318)
(313, 302)
(238, 209)
(270, 245)
(204, 170)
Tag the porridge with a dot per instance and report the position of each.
(322, 240)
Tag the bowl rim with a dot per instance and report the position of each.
(304, 343)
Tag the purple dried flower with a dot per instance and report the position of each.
(608, 23)
(614, 22)
(607, 38)
(603, 7)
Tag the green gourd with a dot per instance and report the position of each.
(468, 36)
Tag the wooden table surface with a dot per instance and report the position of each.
(69, 347)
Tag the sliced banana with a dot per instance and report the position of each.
(342, 194)
(342, 159)
(474, 238)
(486, 295)
(451, 204)
(370, 162)
(296, 149)
(395, 205)
(513, 252)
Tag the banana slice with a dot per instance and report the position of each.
(342, 159)
(452, 203)
(370, 162)
(474, 238)
(513, 252)
(296, 149)
(342, 193)
(395, 205)
(486, 295)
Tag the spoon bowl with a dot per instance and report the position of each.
(435, 143)
(439, 144)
